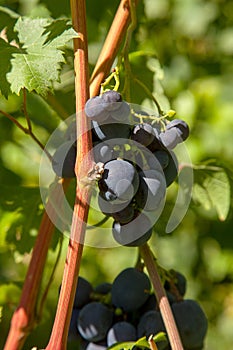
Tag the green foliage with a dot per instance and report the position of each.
(212, 189)
(21, 212)
(37, 64)
(141, 343)
(6, 51)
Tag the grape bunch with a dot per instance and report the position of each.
(136, 150)
(126, 310)
(139, 164)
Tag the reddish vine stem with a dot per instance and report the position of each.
(84, 163)
(111, 46)
(161, 296)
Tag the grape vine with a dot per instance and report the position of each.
(123, 160)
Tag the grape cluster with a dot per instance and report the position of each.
(139, 163)
(136, 150)
(127, 310)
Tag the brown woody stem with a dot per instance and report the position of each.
(162, 299)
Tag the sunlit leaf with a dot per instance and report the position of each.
(39, 66)
(212, 189)
(23, 211)
(6, 53)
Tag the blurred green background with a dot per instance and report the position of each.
(193, 41)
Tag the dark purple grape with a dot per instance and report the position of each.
(160, 156)
(103, 288)
(152, 190)
(150, 323)
(73, 330)
(125, 215)
(191, 322)
(170, 138)
(122, 113)
(171, 171)
(181, 126)
(156, 144)
(133, 234)
(111, 98)
(179, 280)
(120, 180)
(112, 103)
(149, 305)
(111, 130)
(108, 196)
(121, 332)
(83, 292)
(97, 346)
(102, 152)
(171, 297)
(109, 207)
(94, 321)
(64, 159)
(130, 289)
(95, 109)
(143, 133)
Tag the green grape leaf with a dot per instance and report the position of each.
(212, 189)
(20, 215)
(142, 74)
(6, 52)
(122, 345)
(38, 67)
(141, 343)
(56, 28)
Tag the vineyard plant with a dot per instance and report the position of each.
(116, 175)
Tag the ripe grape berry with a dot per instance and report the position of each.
(120, 332)
(177, 280)
(191, 323)
(130, 289)
(176, 132)
(150, 323)
(152, 189)
(143, 133)
(94, 321)
(134, 233)
(95, 110)
(83, 292)
(111, 130)
(181, 126)
(119, 180)
(108, 105)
